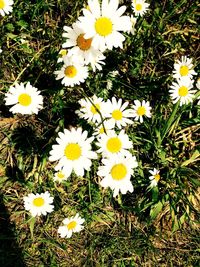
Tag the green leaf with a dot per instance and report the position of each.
(176, 224)
(22, 24)
(31, 225)
(195, 181)
(10, 27)
(155, 210)
(194, 157)
(155, 193)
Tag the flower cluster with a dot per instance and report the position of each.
(100, 28)
(41, 204)
(181, 89)
(110, 119)
(73, 151)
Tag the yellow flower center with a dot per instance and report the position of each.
(117, 114)
(184, 70)
(103, 26)
(38, 202)
(71, 225)
(63, 52)
(138, 7)
(72, 151)
(183, 91)
(157, 177)
(70, 71)
(83, 44)
(60, 175)
(24, 99)
(94, 108)
(118, 172)
(141, 111)
(2, 4)
(101, 130)
(88, 8)
(114, 145)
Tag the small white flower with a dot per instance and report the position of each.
(25, 98)
(113, 144)
(103, 23)
(141, 109)
(183, 68)
(62, 54)
(5, 7)
(90, 109)
(140, 7)
(181, 90)
(82, 48)
(118, 113)
(155, 177)
(73, 72)
(117, 172)
(71, 225)
(60, 177)
(73, 152)
(39, 204)
(133, 21)
(97, 62)
(102, 128)
(1, 50)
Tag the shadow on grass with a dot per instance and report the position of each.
(10, 253)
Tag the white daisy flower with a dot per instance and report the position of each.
(59, 176)
(25, 98)
(5, 7)
(133, 22)
(141, 109)
(140, 7)
(72, 72)
(103, 128)
(117, 172)
(90, 109)
(82, 48)
(62, 54)
(113, 144)
(73, 152)
(155, 177)
(118, 114)
(103, 22)
(97, 62)
(71, 225)
(39, 204)
(181, 90)
(183, 68)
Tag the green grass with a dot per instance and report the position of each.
(146, 228)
